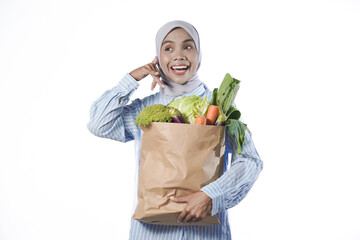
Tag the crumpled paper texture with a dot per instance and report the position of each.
(176, 160)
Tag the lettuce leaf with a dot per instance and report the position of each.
(191, 107)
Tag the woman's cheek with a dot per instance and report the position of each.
(164, 59)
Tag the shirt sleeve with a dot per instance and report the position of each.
(110, 117)
(228, 190)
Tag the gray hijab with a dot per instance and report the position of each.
(173, 89)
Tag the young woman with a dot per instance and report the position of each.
(175, 70)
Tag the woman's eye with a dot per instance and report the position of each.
(187, 47)
(168, 49)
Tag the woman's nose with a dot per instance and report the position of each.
(179, 55)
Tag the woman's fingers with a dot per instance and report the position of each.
(155, 61)
(156, 80)
(189, 218)
(152, 70)
(153, 65)
(153, 85)
(155, 73)
(147, 69)
(156, 77)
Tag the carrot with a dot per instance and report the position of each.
(200, 120)
(212, 114)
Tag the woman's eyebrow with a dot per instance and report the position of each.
(188, 40)
(169, 41)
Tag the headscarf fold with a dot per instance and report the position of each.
(173, 89)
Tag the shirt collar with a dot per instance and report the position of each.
(200, 91)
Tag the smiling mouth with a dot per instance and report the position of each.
(179, 69)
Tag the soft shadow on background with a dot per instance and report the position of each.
(298, 62)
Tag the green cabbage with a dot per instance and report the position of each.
(190, 107)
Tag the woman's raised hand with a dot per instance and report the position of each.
(147, 69)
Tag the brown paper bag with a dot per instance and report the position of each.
(176, 160)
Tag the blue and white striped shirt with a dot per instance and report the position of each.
(111, 117)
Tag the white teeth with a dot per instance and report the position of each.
(179, 67)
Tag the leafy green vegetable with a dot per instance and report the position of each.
(221, 120)
(191, 107)
(227, 92)
(214, 97)
(157, 113)
(233, 113)
(237, 130)
(224, 97)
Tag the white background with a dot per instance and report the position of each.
(298, 62)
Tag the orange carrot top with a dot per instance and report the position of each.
(200, 120)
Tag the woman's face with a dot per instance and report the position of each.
(178, 56)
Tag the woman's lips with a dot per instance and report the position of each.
(179, 69)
